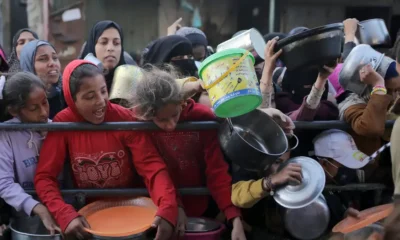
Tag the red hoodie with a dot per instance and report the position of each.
(101, 159)
(194, 159)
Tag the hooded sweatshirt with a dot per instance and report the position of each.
(194, 159)
(27, 62)
(19, 152)
(101, 159)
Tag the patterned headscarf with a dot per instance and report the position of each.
(13, 61)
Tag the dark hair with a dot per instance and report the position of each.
(17, 89)
(81, 72)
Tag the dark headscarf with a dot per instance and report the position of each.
(13, 61)
(164, 49)
(298, 84)
(297, 30)
(270, 36)
(195, 36)
(91, 42)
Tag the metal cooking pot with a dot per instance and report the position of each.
(30, 228)
(124, 82)
(251, 40)
(361, 55)
(314, 220)
(373, 32)
(313, 48)
(254, 140)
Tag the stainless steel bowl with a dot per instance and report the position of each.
(314, 220)
(373, 32)
(251, 40)
(360, 56)
(30, 228)
(298, 196)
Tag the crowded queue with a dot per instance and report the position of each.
(35, 90)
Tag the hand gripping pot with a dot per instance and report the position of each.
(361, 55)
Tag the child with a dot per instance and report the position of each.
(193, 157)
(26, 100)
(101, 159)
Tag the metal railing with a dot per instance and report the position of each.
(123, 126)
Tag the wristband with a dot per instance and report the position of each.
(379, 89)
(270, 186)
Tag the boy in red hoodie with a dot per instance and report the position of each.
(100, 159)
(193, 157)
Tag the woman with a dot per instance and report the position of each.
(175, 50)
(40, 58)
(22, 37)
(198, 40)
(106, 43)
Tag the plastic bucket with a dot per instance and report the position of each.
(231, 82)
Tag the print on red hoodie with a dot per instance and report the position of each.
(101, 159)
(194, 159)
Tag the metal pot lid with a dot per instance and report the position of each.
(199, 225)
(311, 187)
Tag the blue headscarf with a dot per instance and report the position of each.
(27, 62)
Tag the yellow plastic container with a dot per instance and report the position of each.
(231, 82)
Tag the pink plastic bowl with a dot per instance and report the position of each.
(213, 235)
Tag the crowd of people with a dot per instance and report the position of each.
(35, 90)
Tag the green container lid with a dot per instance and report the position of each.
(233, 104)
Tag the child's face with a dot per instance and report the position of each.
(36, 109)
(47, 65)
(91, 99)
(168, 116)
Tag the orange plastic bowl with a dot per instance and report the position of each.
(119, 218)
(367, 217)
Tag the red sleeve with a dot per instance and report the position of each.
(152, 168)
(50, 165)
(219, 182)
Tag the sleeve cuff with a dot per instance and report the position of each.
(170, 214)
(28, 206)
(64, 218)
(232, 212)
(257, 190)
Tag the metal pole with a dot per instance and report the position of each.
(271, 16)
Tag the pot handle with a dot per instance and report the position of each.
(230, 125)
(295, 145)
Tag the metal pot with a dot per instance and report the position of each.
(124, 82)
(313, 48)
(314, 220)
(251, 40)
(373, 32)
(30, 228)
(254, 140)
(360, 56)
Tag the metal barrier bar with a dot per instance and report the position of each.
(122, 126)
(194, 191)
